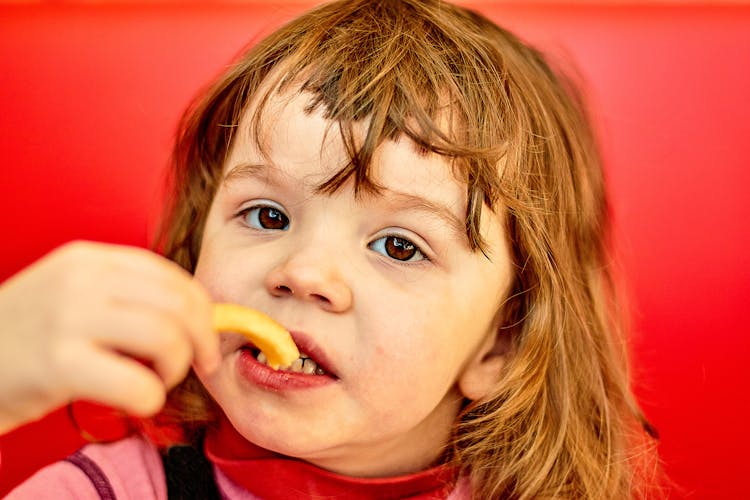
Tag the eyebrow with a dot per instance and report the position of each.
(408, 201)
(251, 171)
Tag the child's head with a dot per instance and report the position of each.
(413, 192)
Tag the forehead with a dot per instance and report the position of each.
(300, 141)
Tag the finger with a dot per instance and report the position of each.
(172, 289)
(135, 275)
(149, 334)
(117, 381)
(192, 318)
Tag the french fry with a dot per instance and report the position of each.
(265, 333)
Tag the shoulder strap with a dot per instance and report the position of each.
(189, 474)
(94, 473)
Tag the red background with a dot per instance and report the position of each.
(90, 94)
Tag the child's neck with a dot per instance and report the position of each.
(271, 475)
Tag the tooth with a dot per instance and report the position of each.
(319, 371)
(296, 366)
(309, 366)
(262, 358)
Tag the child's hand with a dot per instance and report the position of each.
(71, 324)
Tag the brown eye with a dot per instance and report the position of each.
(266, 217)
(397, 248)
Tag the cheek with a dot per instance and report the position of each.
(229, 276)
(430, 337)
(416, 344)
(205, 268)
(210, 277)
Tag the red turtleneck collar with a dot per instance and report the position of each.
(272, 476)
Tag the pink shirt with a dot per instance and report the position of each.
(132, 466)
(134, 471)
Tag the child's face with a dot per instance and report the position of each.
(384, 291)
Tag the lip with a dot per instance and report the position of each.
(264, 376)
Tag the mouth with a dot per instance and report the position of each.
(304, 364)
(310, 371)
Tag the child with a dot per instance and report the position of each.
(417, 197)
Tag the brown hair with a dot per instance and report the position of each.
(562, 421)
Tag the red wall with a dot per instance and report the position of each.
(90, 94)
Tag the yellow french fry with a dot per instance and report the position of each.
(265, 333)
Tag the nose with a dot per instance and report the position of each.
(308, 276)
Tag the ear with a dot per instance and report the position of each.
(483, 369)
